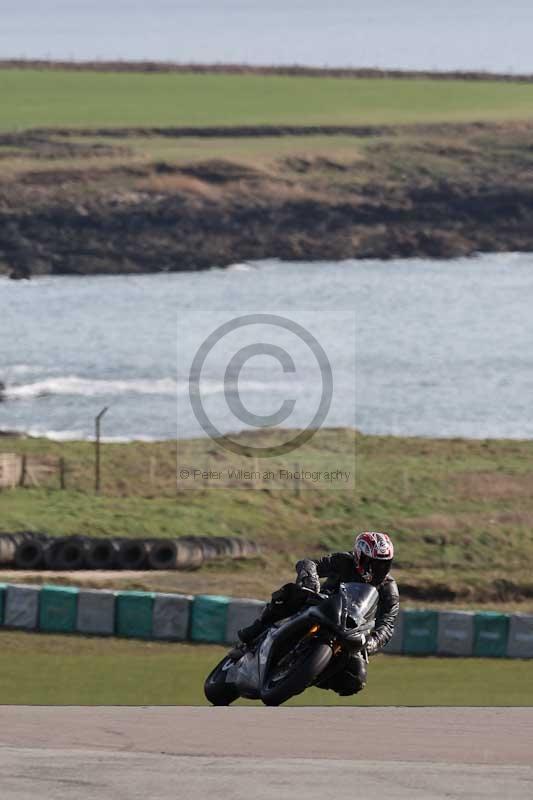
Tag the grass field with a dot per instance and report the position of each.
(402, 184)
(56, 670)
(42, 98)
(460, 511)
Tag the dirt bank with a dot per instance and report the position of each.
(88, 205)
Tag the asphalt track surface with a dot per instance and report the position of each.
(124, 753)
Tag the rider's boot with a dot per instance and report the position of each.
(249, 634)
(237, 651)
(274, 611)
(247, 637)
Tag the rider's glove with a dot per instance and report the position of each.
(307, 575)
(309, 582)
(371, 646)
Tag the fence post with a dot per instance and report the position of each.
(97, 450)
(23, 471)
(62, 473)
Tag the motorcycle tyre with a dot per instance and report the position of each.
(216, 690)
(299, 678)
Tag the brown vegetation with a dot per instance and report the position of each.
(83, 205)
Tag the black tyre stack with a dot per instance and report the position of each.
(30, 554)
(101, 553)
(36, 551)
(22, 548)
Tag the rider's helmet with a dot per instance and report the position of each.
(373, 554)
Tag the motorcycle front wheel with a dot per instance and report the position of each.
(216, 689)
(295, 671)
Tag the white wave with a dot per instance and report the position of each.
(77, 435)
(240, 267)
(208, 387)
(43, 433)
(72, 385)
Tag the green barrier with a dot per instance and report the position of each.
(58, 607)
(208, 618)
(134, 614)
(490, 634)
(420, 632)
(134, 611)
(3, 587)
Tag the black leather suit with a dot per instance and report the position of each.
(350, 676)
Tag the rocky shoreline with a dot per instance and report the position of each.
(436, 192)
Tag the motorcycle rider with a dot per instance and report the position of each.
(369, 562)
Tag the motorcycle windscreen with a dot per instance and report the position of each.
(361, 601)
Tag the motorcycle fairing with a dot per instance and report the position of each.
(249, 672)
(355, 600)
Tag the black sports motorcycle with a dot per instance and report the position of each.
(303, 650)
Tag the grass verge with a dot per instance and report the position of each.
(60, 670)
(460, 511)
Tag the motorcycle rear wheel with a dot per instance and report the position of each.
(307, 665)
(216, 690)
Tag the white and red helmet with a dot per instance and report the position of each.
(373, 553)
